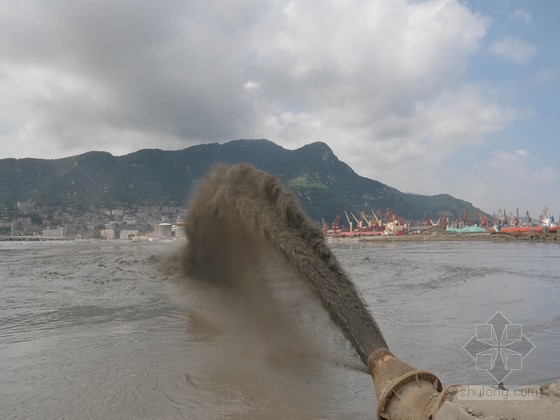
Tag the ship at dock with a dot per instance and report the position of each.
(504, 223)
(376, 224)
(389, 224)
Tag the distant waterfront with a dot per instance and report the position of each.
(30, 219)
(491, 237)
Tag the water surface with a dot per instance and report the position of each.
(93, 330)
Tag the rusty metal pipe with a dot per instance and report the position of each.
(406, 393)
(403, 393)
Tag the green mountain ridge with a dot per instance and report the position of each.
(324, 185)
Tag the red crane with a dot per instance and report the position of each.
(443, 220)
(468, 220)
(335, 223)
(483, 218)
(389, 216)
(516, 218)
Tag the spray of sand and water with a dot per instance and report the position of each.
(240, 216)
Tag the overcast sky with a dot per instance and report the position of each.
(441, 96)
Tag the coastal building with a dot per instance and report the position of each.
(128, 234)
(180, 231)
(53, 233)
(107, 233)
(164, 230)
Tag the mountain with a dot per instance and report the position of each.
(324, 185)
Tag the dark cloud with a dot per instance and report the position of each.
(169, 68)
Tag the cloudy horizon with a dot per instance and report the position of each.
(429, 97)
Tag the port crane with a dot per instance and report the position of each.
(529, 219)
(335, 224)
(325, 227)
(516, 218)
(349, 221)
(468, 220)
(389, 216)
(369, 222)
(495, 219)
(360, 221)
(545, 216)
(429, 222)
(378, 218)
(443, 220)
(500, 218)
(483, 218)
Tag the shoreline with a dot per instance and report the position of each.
(487, 237)
(81, 239)
(433, 237)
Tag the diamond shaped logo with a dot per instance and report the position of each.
(499, 347)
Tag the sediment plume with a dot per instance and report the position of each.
(238, 214)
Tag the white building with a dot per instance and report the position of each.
(53, 233)
(180, 231)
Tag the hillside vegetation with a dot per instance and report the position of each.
(324, 185)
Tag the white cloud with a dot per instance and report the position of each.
(384, 75)
(250, 85)
(514, 49)
(383, 82)
(522, 15)
(384, 78)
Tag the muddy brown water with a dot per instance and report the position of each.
(93, 330)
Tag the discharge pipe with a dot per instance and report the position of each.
(406, 393)
(402, 391)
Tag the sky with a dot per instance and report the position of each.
(429, 97)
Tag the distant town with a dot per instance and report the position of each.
(29, 220)
(136, 223)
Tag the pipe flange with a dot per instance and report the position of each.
(393, 388)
